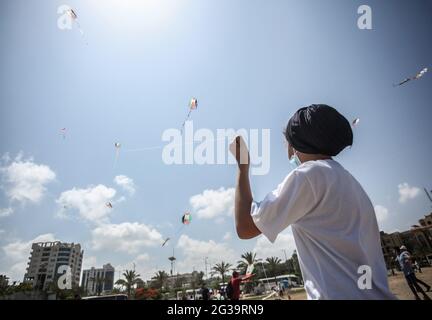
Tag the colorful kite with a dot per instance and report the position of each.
(416, 77)
(187, 218)
(193, 105)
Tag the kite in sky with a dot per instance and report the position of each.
(74, 18)
(187, 218)
(109, 205)
(416, 77)
(63, 132)
(193, 105)
(355, 122)
(250, 269)
(166, 240)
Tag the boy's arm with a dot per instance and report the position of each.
(246, 277)
(245, 226)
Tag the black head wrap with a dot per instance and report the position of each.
(319, 129)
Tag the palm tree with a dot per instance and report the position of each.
(273, 264)
(248, 259)
(296, 264)
(160, 279)
(221, 268)
(131, 279)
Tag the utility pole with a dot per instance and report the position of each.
(265, 274)
(205, 262)
(284, 251)
(172, 259)
(428, 195)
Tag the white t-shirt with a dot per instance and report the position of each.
(334, 227)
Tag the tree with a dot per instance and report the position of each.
(273, 266)
(148, 294)
(196, 280)
(4, 284)
(248, 259)
(221, 268)
(160, 279)
(131, 279)
(140, 283)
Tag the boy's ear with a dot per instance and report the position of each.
(290, 151)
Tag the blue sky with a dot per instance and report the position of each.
(250, 64)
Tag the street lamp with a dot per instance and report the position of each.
(265, 274)
(205, 262)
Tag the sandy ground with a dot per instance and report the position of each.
(397, 283)
(399, 286)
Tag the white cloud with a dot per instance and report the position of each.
(285, 241)
(381, 213)
(125, 237)
(6, 157)
(227, 236)
(88, 262)
(6, 212)
(213, 203)
(17, 254)
(406, 192)
(219, 220)
(25, 181)
(90, 202)
(144, 257)
(194, 252)
(126, 183)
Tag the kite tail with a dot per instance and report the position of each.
(81, 31)
(116, 158)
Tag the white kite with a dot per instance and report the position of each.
(250, 269)
(355, 122)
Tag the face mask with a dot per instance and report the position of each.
(295, 161)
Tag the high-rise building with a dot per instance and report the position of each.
(46, 258)
(98, 281)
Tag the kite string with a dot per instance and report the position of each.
(81, 31)
(184, 122)
(116, 158)
(175, 145)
